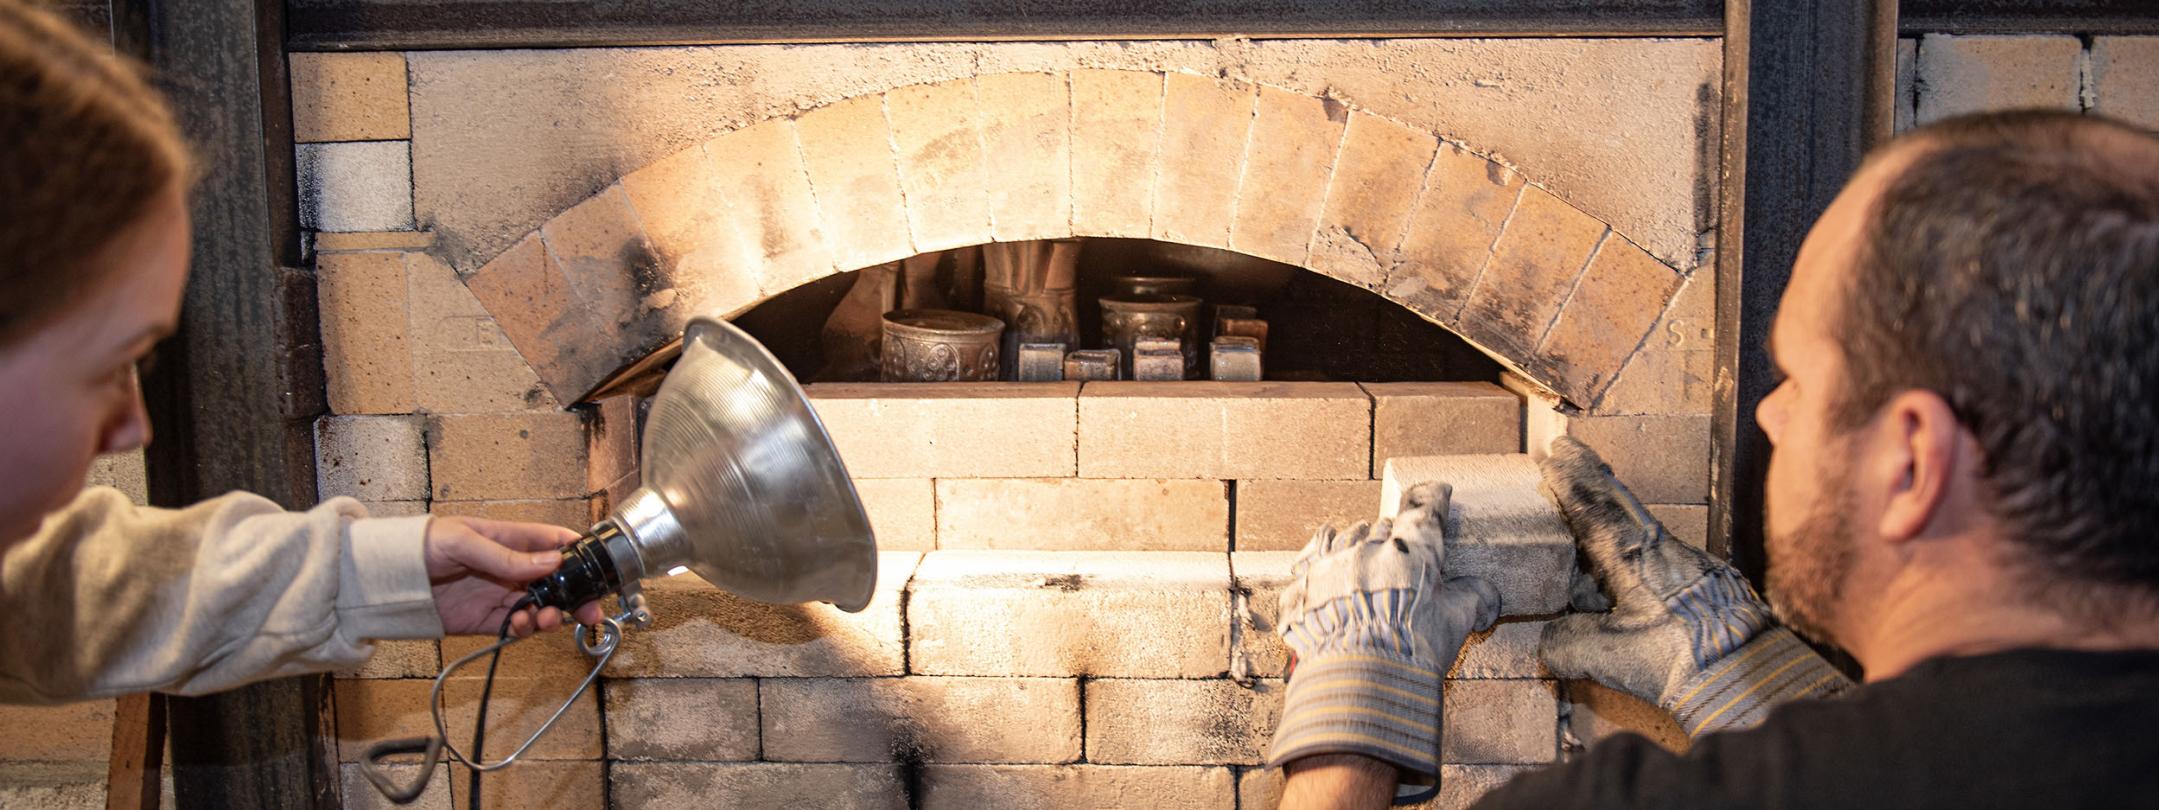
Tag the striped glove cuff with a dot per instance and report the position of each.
(1738, 691)
(1376, 705)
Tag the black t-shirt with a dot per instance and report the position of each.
(2021, 729)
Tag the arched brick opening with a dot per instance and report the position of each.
(1463, 241)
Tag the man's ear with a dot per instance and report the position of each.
(1919, 444)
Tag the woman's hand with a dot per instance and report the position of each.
(479, 569)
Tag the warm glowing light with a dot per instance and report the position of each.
(678, 570)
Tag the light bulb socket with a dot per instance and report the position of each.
(588, 572)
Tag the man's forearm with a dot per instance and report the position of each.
(1338, 782)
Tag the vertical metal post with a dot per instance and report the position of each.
(1809, 87)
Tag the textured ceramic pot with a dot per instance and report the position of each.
(939, 345)
(1127, 318)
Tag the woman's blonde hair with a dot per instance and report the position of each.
(86, 147)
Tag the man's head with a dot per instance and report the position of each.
(1970, 344)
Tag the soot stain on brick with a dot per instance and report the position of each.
(1069, 583)
(912, 754)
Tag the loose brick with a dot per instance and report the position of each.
(1534, 264)
(1205, 124)
(1258, 578)
(349, 97)
(1116, 124)
(360, 794)
(334, 242)
(399, 658)
(767, 190)
(2122, 79)
(1450, 233)
(1286, 166)
(1542, 420)
(1078, 514)
(73, 732)
(1688, 522)
(373, 458)
(703, 260)
(1596, 712)
(1662, 459)
(1459, 786)
(1500, 722)
(1507, 650)
(921, 719)
(1501, 526)
(1961, 74)
(1060, 613)
(1224, 430)
(540, 784)
(1053, 787)
(700, 785)
(366, 346)
(1027, 147)
(528, 455)
(682, 719)
(903, 512)
(939, 141)
(573, 513)
(951, 430)
(533, 303)
(363, 186)
(1375, 185)
(1282, 515)
(462, 360)
(847, 149)
(370, 711)
(1442, 418)
(601, 250)
(1674, 371)
(702, 631)
(1620, 297)
(1181, 722)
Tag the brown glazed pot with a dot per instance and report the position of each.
(1121, 286)
(939, 345)
(1127, 318)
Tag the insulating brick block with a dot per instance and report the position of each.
(367, 349)
(355, 186)
(854, 176)
(703, 719)
(951, 430)
(370, 711)
(1083, 514)
(1057, 787)
(400, 658)
(1965, 74)
(1661, 459)
(1501, 526)
(462, 361)
(903, 512)
(540, 784)
(1534, 264)
(71, 732)
(921, 719)
(1281, 515)
(702, 631)
(1181, 722)
(1157, 614)
(2125, 79)
(545, 655)
(349, 97)
(703, 260)
(1450, 233)
(335, 242)
(1205, 123)
(1442, 419)
(1116, 124)
(572, 513)
(1459, 786)
(1686, 521)
(1507, 650)
(1376, 179)
(372, 458)
(760, 172)
(1287, 163)
(1500, 722)
(1676, 366)
(1259, 577)
(1295, 430)
(513, 456)
(1596, 712)
(1607, 317)
(704, 785)
(359, 794)
(1027, 148)
(936, 135)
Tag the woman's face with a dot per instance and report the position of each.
(68, 392)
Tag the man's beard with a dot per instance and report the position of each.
(1807, 567)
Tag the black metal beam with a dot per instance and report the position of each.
(2028, 16)
(1809, 88)
(425, 24)
(236, 391)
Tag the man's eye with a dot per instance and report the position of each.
(146, 363)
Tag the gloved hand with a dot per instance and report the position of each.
(1684, 631)
(1372, 628)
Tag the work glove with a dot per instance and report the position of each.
(1684, 630)
(1372, 626)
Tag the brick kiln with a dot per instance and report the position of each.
(1077, 578)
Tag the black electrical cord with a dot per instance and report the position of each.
(487, 689)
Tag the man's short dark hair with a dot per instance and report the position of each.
(2012, 267)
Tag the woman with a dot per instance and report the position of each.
(104, 597)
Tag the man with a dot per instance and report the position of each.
(1963, 495)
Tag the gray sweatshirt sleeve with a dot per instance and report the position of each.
(111, 598)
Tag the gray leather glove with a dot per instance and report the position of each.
(1372, 627)
(1684, 630)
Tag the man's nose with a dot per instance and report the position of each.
(131, 427)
